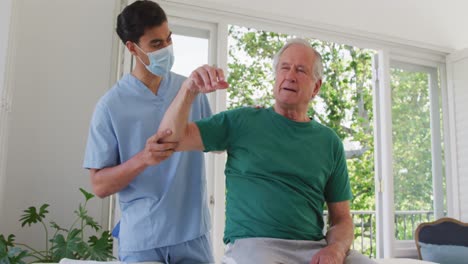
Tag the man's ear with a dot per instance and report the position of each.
(317, 86)
(131, 47)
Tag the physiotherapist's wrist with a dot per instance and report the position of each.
(139, 161)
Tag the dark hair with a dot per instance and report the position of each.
(137, 17)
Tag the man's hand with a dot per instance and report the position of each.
(330, 254)
(206, 79)
(155, 152)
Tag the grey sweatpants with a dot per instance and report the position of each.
(280, 251)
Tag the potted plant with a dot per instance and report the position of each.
(60, 242)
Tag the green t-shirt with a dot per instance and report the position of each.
(278, 172)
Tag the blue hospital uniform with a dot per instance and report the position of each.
(166, 204)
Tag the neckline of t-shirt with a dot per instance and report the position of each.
(146, 91)
(289, 121)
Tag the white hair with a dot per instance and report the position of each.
(317, 66)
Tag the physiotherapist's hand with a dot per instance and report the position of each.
(155, 152)
(330, 254)
(206, 79)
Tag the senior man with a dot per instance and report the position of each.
(282, 166)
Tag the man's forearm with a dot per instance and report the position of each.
(176, 117)
(341, 235)
(204, 79)
(108, 181)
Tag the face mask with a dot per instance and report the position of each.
(161, 61)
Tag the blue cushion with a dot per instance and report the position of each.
(444, 254)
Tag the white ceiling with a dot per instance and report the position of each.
(440, 23)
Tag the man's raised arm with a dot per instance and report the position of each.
(204, 79)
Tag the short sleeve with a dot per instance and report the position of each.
(214, 132)
(338, 188)
(102, 146)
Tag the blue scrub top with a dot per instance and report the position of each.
(166, 204)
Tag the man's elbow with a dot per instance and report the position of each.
(191, 139)
(98, 189)
(100, 192)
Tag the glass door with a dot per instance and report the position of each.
(409, 163)
(418, 179)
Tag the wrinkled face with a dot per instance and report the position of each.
(294, 84)
(155, 38)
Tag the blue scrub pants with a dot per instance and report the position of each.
(196, 251)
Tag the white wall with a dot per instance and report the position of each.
(458, 86)
(63, 64)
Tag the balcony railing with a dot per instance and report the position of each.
(365, 225)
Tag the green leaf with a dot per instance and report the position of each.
(7, 242)
(4, 258)
(89, 221)
(86, 194)
(100, 248)
(66, 248)
(16, 255)
(10, 254)
(33, 216)
(57, 227)
(3, 250)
